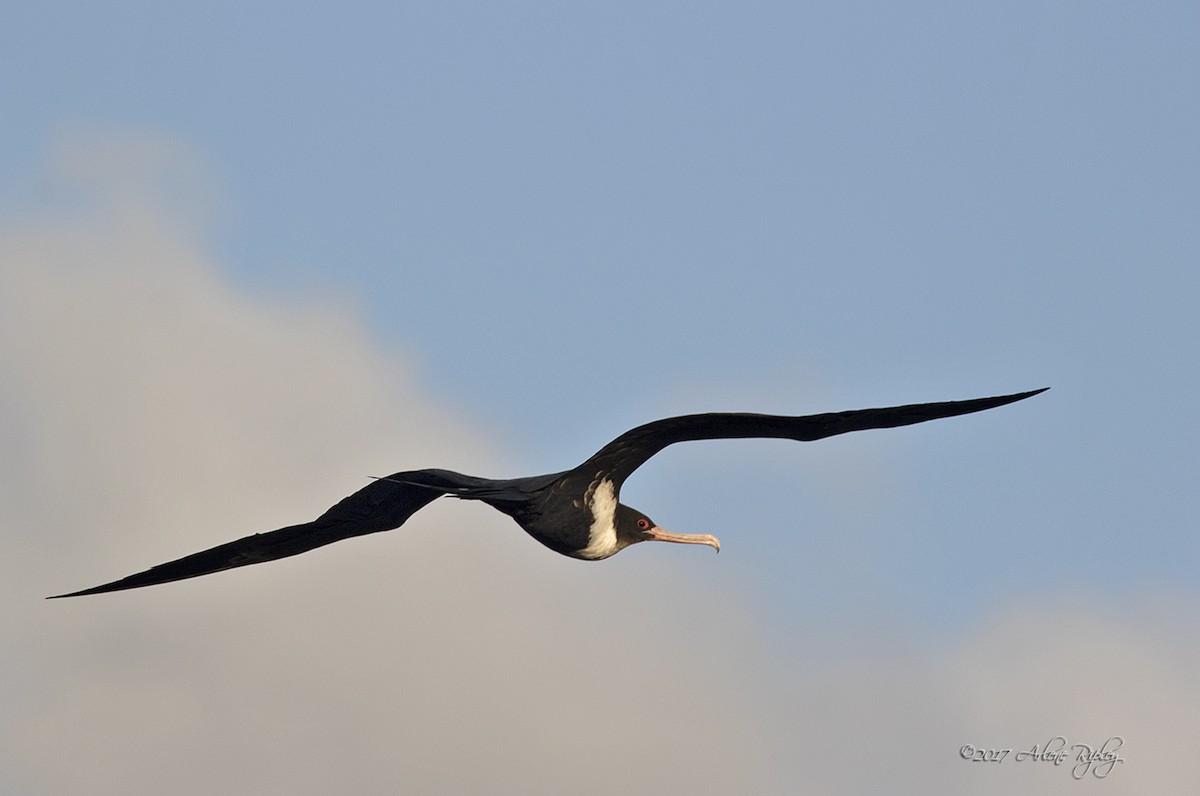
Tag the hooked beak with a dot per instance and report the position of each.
(662, 535)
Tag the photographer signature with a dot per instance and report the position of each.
(1097, 761)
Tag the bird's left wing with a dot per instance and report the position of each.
(380, 506)
(619, 458)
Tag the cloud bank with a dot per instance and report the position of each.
(149, 409)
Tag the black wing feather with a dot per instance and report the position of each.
(619, 458)
(382, 505)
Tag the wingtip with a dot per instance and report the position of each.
(1021, 396)
(70, 594)
(118, 585)
(1018, 396)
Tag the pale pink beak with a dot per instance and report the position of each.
(662, 535)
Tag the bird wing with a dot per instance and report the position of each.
(382, 505)
(619, 458)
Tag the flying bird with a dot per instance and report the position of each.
(575, 512)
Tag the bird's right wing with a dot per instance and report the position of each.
(382, 505)
(619, 458)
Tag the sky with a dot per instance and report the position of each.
(253, 253)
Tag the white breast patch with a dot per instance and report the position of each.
(602, 536)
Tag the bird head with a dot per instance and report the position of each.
(633, 526)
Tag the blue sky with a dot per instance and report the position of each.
(557, 221)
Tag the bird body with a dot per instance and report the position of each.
(575, 512)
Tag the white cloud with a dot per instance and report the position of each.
(149, 410)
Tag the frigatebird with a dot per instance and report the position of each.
(575, 512)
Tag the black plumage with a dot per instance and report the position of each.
(575, 512)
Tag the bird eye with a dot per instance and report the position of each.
(644, 523)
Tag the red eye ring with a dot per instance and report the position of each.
(644, 523)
